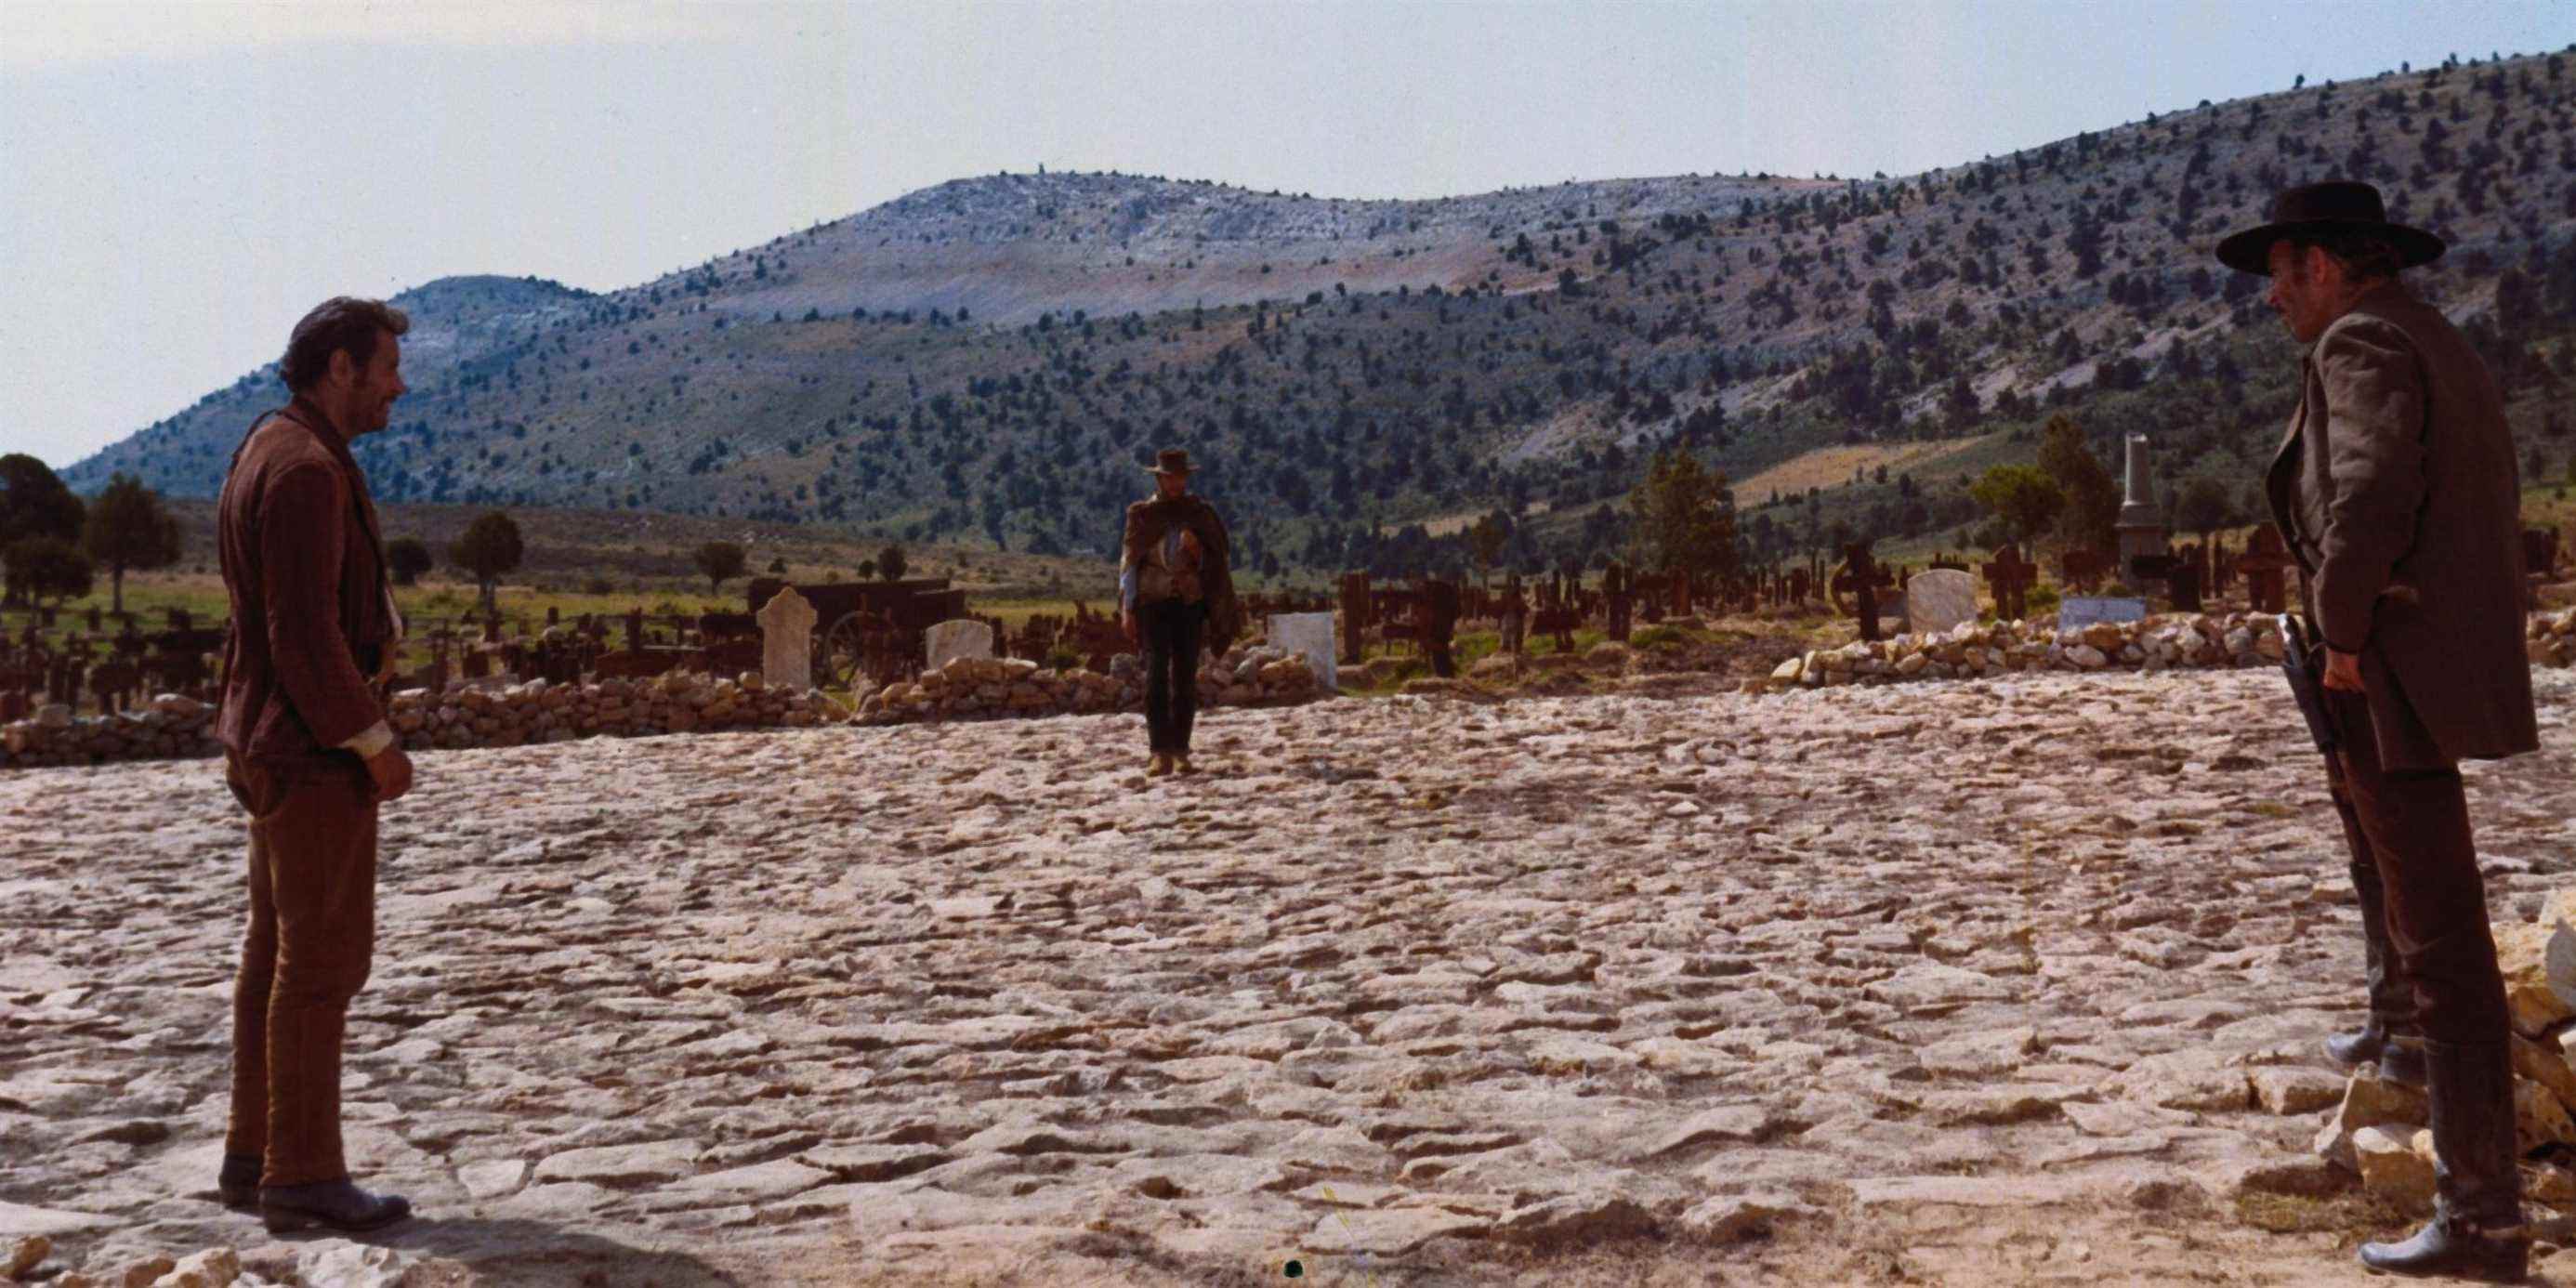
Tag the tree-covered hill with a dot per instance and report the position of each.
(991, 359)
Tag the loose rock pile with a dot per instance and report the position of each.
(2380, 1128)
(988, 687)
(2552, 638)
(169, 727)
(337, 1263)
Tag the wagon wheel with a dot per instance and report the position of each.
(841, 656)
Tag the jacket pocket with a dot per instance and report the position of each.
(258, 788)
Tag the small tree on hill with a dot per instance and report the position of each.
(721, 561)
(407, 558)
(489, 549)
(891, 563)
(129, 529)
(2022, 496)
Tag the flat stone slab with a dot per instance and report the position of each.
(650, 1163)
(18, 1221)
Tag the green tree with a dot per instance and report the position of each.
(2204, 507)
(1487, 539)
(129, 529)
(34, 502)
(1685, 518)
(489, 549)
(2023, 496)
(42, 568)
(867, 569)
(721, 561)
(2092, 500)
(407, 558)
(891, 563)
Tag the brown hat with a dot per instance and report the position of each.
(1172, 460)
(2334, 206)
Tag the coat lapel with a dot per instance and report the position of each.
(2281, 479)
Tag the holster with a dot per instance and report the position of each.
(2303, 663)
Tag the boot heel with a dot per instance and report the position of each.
(285, 1222)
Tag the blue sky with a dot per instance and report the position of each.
(184, 180)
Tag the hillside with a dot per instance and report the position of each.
(989, 359)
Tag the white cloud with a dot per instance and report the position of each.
(37, 34)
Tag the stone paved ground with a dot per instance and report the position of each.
(1935, 981)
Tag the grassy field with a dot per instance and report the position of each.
(1833, 467)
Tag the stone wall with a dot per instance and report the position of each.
(679, 702)
(463, 715)
(169, 727)
(988, 687)
(2169, 642)
(471, 715)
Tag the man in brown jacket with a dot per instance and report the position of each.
(309, 755)
(2395, 490)
(1175, 598)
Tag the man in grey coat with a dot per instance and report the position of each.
(2395, 490)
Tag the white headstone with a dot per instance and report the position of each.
(948, 641)
(787, 640)
(1310, 634)
(1938, 599)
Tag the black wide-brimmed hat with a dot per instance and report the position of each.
(2333, 206)
(1172, 460)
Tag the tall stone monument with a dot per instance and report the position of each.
(2141, 529)
(787, 640)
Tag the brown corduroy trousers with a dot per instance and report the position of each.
(311, 939)
(2431, 957)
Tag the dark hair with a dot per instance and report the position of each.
(339, 323)
(2365, 255)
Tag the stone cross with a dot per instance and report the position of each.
(787, 640)
(1355, 615)
(2264, 563)
(950, 640)
(2010, 576)
(1861, 578)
